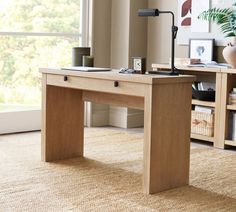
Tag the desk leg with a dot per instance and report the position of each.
(62, 123)
(167, 137)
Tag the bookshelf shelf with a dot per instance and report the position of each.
(203, 103)
(202, 137)
(231, 143)
(231, 107)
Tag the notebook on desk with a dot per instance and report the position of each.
(86, 69)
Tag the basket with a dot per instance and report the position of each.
(202, 123)
(204, 95)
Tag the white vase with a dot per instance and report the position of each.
(229, 53)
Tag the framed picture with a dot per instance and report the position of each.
(201, 49)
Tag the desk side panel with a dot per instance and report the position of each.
(167, 136)
(43, 117)
(62, 129)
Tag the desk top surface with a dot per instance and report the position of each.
(115, 75)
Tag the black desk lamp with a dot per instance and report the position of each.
(174, 29)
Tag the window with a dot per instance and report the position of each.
(34, 34)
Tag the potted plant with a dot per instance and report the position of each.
(226, 19)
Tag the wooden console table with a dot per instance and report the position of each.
(225, 81)
(166, 101)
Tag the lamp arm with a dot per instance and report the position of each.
(170, 12)
(174, 30)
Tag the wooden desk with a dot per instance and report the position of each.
(167, 104)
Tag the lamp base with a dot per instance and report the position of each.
(174, 72)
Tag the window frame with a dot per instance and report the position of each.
(83, 35)
(29, 123)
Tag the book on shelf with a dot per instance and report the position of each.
(206, 86)
(232, 97)
(204, 109)
(232, 126)
(185, 61)
(210, 64)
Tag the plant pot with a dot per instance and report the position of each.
(229, 53)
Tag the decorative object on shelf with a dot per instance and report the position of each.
(226, 19)
(229, 52)
(174, 30)
(139, 64)
(204, 95)
(203, 91)
(87, 61)
(77, 55)
(201, 49)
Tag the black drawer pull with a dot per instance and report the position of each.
(65, 78)
(116, 84)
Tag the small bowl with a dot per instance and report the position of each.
(204, 95)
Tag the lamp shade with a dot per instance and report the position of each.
(148, 12)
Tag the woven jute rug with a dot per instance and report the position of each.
(109, 177)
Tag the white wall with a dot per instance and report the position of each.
(122, 36)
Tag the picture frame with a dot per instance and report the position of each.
(201, 49)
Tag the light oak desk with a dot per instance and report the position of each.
(167, 104)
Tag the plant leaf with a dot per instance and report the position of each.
(231, 34)
(225, 18)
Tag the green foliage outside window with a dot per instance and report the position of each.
(21, 56)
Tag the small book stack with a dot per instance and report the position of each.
(209, 64)
(185, 61)
(206, 86)
(232, 97)
(202, 109)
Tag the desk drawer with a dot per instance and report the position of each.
(100, 85)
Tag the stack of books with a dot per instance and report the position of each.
(232, 97)
(195, 62)
(204, 109)
(204, 86)
(210, 64)
(232, 126)
(232, 116)
(185, 61)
